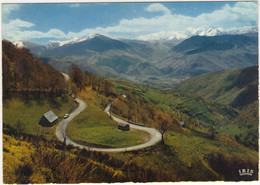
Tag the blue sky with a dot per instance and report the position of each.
(43, 23)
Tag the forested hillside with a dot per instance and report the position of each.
(237, 87)
(198, 112)
(22, 72)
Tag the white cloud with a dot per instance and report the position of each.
(8, 8)
(17, 23)
(12, 29)
(157, 7)
(15, 30)
(56, 33)
(240, 15)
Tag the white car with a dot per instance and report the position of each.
(66, 116)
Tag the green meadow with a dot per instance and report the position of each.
(192, 157)
(94, 127)
(191, 154)
(30, 112)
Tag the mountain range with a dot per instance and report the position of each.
(201, 54)
(201, 31)
(162, 63)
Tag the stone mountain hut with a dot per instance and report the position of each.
(123, 126)
(49, 119)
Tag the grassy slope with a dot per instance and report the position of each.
(245, 126)
(12, 156)
(94, 127)
(223, 87)
(30, 112)
(189, 106)
(192, 108)
(189, 154)
(237, 88)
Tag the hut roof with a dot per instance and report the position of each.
(50, 116)
(122, 124)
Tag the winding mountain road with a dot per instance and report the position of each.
(155, 136)
(62, 127)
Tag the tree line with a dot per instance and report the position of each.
(136, 110)
(22, 72)
(80, 79)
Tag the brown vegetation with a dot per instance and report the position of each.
(23, 73)
(80, 79)
(229, 168)
(138, 111)
(53, 162)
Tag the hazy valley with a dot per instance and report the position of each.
(162, 64)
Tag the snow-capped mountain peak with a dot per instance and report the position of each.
(54, 44)
(201, 31)
(19, 44)
(164, 35)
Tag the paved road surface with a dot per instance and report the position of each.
(61, 128)
(155, 136)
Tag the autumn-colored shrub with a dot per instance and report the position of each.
(23, 173)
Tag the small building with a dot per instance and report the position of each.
(123, 126)
(49, 119)
(182, 123)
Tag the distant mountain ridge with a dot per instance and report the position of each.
(158, 63)
(98, 43)
(201, 31)
(201, 54)
(198, 44)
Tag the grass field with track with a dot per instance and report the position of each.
(31, 111)
(93, 127)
